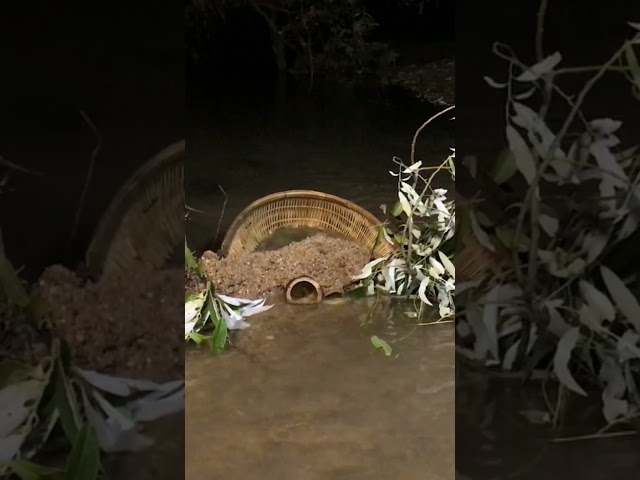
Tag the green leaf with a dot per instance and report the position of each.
(65, 402)
(506, 235)
(504, 168)
(84, 461)
(220, 334)
(562, 358)
(33, 471)
(632, 61)
(396, 210)
(524, 159)
(11, 286)
(198, 338)
(356, 293)
(380, 344)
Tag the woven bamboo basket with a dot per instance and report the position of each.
(144, 224)
(304, 209)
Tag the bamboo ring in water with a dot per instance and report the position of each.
(304, 291)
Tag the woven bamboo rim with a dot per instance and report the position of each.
(304, 208)
(144, 224)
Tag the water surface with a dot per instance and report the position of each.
(304, 395)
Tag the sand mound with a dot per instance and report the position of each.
(331, 261)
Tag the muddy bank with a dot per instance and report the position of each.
(432, 83)
(126, 327)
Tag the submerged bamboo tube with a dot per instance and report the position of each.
(304, 291)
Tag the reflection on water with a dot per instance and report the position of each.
(304, 395)
(503, 432)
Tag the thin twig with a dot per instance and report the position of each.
(594, 436)
(89, 175)
(422, 127)
(14, 166)
(224, 205)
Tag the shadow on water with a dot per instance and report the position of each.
(303, 394)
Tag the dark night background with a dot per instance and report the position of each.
(493, 439)
(122, 63)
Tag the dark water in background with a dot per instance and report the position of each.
(125, 69)
(494, 440)
(340, 140)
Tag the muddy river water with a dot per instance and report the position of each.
(304, 395)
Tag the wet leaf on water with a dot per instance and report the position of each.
(598, 301)
(380, 344)
(357, 293)
(562, 357)
(624, 299)
(541, 68)
(524, 159)
(422, 291)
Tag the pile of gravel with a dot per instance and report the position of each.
(128, 327)
(331, 261)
